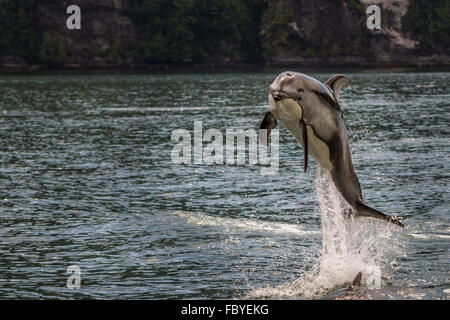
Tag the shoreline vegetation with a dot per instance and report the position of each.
(249, 68)
(232, 66)
(245, 66)
(217, 34)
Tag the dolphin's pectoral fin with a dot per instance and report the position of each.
(365, 210)
(269, 122)
(305, 141)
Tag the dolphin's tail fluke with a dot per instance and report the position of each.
(366, 211)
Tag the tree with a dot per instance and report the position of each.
(151, 20)
(180, 31)
(220, 28)
(429, 22)
(113, 55)
(52, 50)
(275, 28)
(6, 22)
(61, 52)
(47, 50)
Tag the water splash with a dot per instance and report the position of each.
(349, 245)
(231, 224)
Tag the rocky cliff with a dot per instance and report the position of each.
(103, 26)
(336, 32)
(277, 32)
(105, 34)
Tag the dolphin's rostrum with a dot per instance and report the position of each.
(310, 110)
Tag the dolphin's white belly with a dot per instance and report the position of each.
(286, 110)
(318, 149)
(290, 113)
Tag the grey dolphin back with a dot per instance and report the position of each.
(336, 83)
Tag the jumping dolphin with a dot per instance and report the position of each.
(310, 110)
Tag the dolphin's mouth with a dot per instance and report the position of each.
(275, 99)
(275, 102)
(278, 96)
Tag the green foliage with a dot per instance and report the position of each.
(6, 21)
(335, 50)
(324, 47)
(180, 33)
(429, 22)
(114, 53)
(151, 18)
(219, 30)
(356, 7)
(307, 53)
(212, 31)
(52, 50)
(47, 51)
(61, 52)
(197, 30)
(17, 35)
(275, 29)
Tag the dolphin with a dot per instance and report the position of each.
(310, 110)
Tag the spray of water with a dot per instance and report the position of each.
(349, 245)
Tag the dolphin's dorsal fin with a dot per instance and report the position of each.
(269, 122)
(336, 83)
